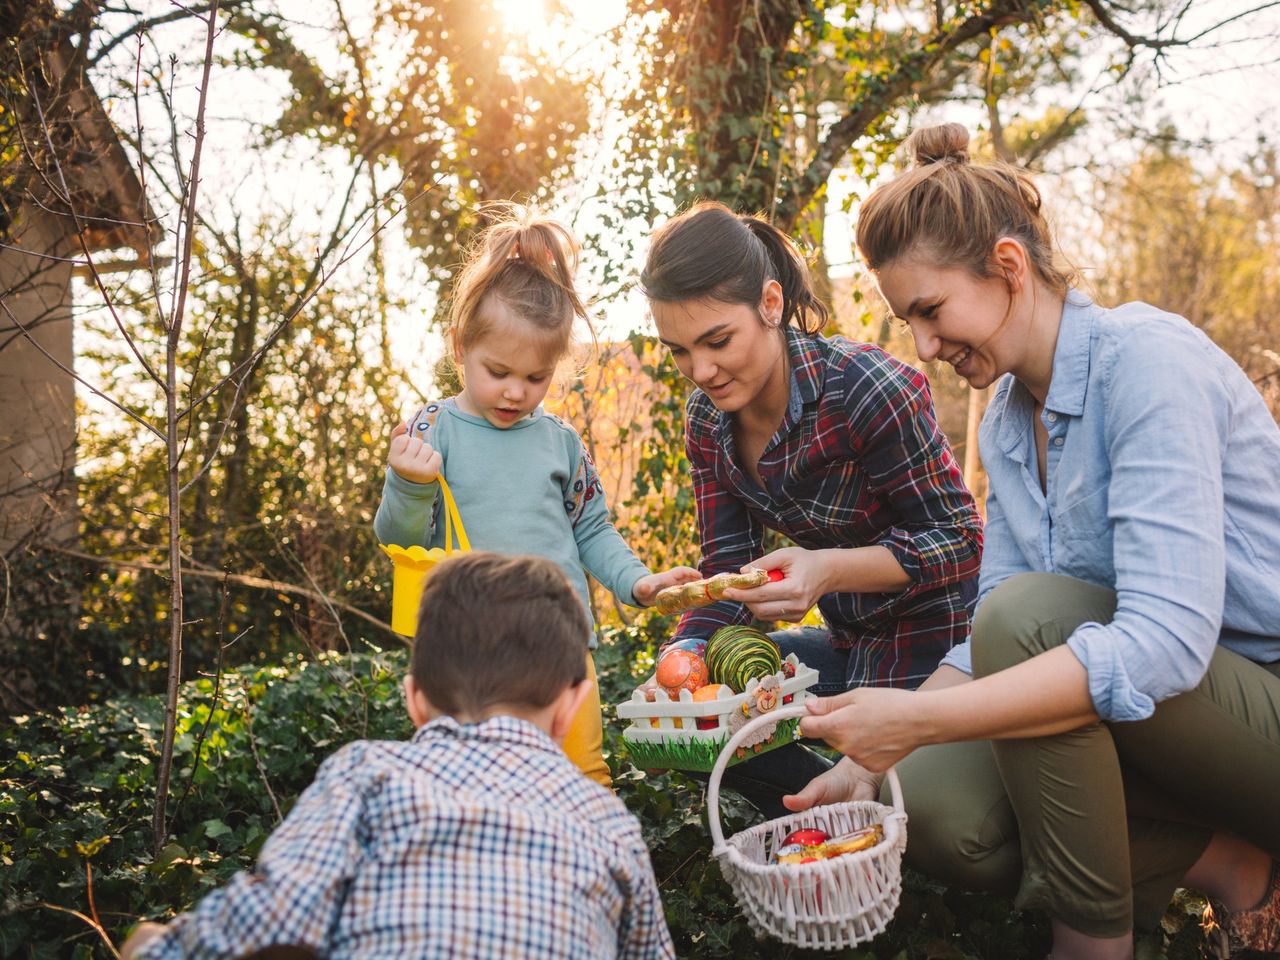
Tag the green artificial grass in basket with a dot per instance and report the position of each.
(686, 753)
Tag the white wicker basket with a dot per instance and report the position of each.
(827, 904)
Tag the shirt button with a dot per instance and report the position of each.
(1051, 417)
(1057, 441)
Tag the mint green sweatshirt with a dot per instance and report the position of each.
(530, 488)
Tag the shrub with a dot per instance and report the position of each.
(77, 786)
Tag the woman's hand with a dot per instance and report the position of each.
(646, 588)
(413, 458)
(803, 582)
(874, 726)
(843, 782)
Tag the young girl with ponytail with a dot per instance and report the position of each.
(831, 443)
(522, 478)
(1112, 730)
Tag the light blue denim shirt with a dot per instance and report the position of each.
(1163, 483)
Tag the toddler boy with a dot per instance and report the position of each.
(476, 838)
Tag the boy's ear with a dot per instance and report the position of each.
(565, 707)
(416, 702)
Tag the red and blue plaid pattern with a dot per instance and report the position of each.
(479, 841)
(859, 460)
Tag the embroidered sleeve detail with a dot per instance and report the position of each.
(585, 487)
(420, 423)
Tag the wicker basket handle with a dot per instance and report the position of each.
(722, 761)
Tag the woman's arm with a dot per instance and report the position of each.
(848, 780)
(936, 536)
(877, 727)
(1167, 425)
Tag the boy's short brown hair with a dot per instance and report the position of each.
(497, 629)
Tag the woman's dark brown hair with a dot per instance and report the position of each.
(709, 252)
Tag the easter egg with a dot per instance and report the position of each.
(681, 669)
(695, 645)
(710, 692)
(704, 695)
(806, 838)
(787, 850)
(736, 654)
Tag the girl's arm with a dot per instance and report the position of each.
(406, 512)
(601, 549)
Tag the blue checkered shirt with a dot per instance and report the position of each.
(479, 841)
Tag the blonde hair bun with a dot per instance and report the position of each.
(936, 144)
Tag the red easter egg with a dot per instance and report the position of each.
(806, 838)
(681, 669)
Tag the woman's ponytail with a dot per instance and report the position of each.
(710, 252)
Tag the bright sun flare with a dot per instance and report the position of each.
(532, 20)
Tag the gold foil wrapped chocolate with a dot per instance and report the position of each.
(835, 847)
(700, 593)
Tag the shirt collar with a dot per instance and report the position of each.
(1070, 379)
(499, 729)
(807, 368)
(1071, 355)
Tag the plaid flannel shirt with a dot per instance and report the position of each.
(480, 841)
(858, 460)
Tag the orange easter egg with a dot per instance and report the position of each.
(680, 669)
(709, 692)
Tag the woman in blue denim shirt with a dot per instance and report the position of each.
(1112, 730)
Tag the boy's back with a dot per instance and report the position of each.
(479, 840)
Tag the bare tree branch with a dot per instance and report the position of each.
(143, 26)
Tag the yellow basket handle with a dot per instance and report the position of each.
(452, 520)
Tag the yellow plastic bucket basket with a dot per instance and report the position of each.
(413, 564)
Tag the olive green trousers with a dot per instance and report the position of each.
(1096, 826)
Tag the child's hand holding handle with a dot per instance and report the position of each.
(412, 458)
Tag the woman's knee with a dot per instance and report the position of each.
(1033, 612)
(961, 827)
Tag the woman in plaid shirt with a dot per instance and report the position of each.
(833, 444)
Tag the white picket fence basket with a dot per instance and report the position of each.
(676, 741)
(827, 904)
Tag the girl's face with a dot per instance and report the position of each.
(506, 373)
(954, 316)
(731, 351)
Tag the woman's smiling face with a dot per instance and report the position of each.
(954, 316)
(726, 349)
